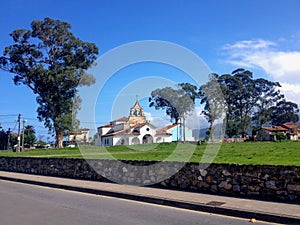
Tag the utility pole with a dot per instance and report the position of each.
(23, 134)
(19, 129)
(8, 138)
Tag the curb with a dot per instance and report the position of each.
(275, 218)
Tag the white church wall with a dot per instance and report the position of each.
(103, 130)
(147, 130)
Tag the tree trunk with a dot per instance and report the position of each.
(212, 133)
(59, 137)
(183, 131)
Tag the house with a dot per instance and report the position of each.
(81, 136)
(290, 130)
(293, 131)
(177, 132)
(131, 130)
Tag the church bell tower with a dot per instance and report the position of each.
(137, 115)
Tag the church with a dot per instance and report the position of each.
(131, 130)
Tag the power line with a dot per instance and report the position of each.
(8, 122)
(9, 115)
(27, 118)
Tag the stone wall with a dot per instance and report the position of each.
(259, 181)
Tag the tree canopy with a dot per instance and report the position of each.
(214, 105)
(29, 135)
(52, 62)
(284, 111)
(177, 102)
(250, 103)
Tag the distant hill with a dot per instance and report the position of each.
(199, 134)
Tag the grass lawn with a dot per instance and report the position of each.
(275, 153)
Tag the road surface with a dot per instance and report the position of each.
(34, 205)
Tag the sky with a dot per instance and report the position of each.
(260, 35)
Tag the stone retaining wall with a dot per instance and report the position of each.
(261, 181)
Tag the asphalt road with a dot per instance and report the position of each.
(34, 205)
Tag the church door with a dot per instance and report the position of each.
(147, 139)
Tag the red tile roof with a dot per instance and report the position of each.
(121, 119)
(170, 126)
(106, 125)
(291, 125)
(122, 132)
(110, 124)
(275, 128)
(163, 132)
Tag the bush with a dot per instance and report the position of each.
(280, 136)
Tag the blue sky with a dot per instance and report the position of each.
(263, 36)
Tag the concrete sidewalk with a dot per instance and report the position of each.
(239, 207)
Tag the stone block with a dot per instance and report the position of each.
(203, 173)
(293, 188)
(226, 173)
(225, 185)
(236, 188)
(271, 184)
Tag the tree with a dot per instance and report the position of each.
(228, 85)
(7, 139)
(3, 140)
(249, 102)
(241, 99)
(176, 102)
(29, 139)
(284, 111)
(29, 135)
(211, 96)
(52, 62)
(29, 130)
(190, 90)
(268, 96)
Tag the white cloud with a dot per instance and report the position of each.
(295, 88)
(279, 65)
(159, 122)
(250, 44)
(282, 66)
(195, 120)
(291, 92)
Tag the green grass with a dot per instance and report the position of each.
(274, 153)
(43, 152)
